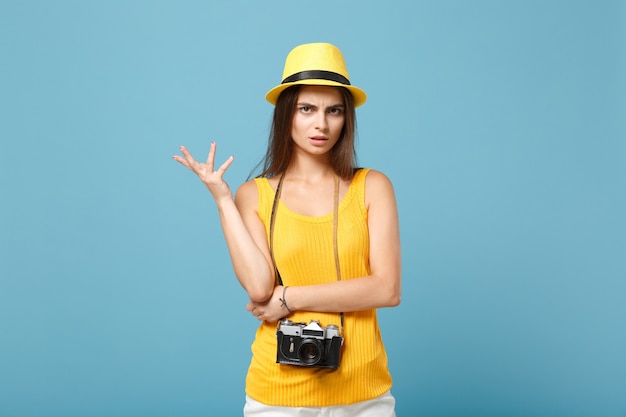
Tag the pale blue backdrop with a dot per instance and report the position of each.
(501, 123)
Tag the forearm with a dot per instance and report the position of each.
(372, 291)
(250, 265)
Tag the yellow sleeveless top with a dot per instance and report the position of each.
(303, 248)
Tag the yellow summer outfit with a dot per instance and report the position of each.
(303, 249)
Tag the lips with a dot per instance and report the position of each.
(318, 140)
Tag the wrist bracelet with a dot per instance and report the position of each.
(283, 301)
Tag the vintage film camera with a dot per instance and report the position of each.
(308, 345)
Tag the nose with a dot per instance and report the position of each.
(321, 122)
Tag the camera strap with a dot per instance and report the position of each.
(335, 227)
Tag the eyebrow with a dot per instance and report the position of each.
(304, 103)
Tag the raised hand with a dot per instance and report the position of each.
(212, 179)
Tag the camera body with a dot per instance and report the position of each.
(308, 344)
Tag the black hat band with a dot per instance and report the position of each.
(317, 75)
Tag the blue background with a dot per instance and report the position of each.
(501, 123)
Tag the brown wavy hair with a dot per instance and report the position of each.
(280, 144)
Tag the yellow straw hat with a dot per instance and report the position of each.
(316, 64)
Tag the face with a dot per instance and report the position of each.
(318, 119)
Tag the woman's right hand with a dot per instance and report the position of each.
(243, 230)
(212, 179)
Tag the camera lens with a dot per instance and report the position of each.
(310, 352)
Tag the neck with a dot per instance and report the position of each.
(310, 169)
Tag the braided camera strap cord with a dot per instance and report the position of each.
(335, 226)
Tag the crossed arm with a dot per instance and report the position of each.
(247, 244)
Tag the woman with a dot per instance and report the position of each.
(313, 240)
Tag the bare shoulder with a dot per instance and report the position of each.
(247, 195)
(379, 191)
(377, 184)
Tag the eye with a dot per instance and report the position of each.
(305, 109)
(335, 110)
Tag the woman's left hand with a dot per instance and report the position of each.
(271, 310)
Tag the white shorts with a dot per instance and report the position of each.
(383, 406)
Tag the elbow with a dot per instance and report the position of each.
(258, 286)
(394, 299)
(260, 295)
(393, 295)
